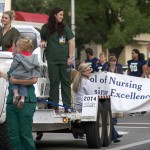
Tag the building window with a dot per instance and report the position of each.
(2, 4)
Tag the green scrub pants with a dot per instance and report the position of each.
(20, 126)
(60, 73)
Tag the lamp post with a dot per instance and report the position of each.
(73, 27)
(73, 16)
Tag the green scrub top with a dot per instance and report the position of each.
(7, 40)
(57, 49)
(30, 89)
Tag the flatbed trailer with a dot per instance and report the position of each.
(95, 119)
(97, 127)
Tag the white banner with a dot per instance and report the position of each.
(128, 94)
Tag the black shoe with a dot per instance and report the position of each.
(49, 106)
(119, 135)
(75, 134)
(143, 113)
(116, 141)
(39, 136)
(53, 107)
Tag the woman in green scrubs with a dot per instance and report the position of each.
(20, 121)
(58, 40)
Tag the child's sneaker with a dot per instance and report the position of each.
(20, 103)
(16, 99)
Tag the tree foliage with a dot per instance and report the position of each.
(33, 6)
(131, 22)
(111, 22)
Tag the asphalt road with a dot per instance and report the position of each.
(136, 131)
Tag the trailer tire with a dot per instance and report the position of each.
(94, 130)
(107, 123)
(4, 137)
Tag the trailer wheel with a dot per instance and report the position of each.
(4, 137)
(107, 123)
(94, 130)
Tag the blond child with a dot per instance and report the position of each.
(25, 66)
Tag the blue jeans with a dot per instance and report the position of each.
(22, 89)
(114, 132)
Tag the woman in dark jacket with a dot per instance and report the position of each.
(112, 67)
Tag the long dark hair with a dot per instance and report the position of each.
(53, 25)
(141, 56)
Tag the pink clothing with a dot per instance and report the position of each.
(26, 53)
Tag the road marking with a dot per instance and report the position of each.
(130, 145)
(133, 127)
(132, 123)
(122, 133)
